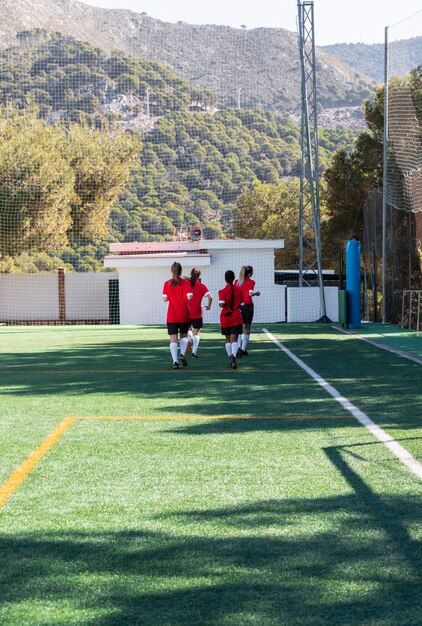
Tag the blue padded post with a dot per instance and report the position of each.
(353, 283)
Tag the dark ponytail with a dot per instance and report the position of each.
(176, 272)
(229, 277)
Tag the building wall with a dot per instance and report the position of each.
(140, 288)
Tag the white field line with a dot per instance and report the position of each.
(395, 351)
(399, 452)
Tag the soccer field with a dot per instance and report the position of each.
(131, 493)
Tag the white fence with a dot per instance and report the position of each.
(66, 298)
(303, 304)
(55, 297)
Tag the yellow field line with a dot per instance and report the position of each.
(165, 418)
(23, 471)
(19, 475)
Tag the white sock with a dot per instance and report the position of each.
(235, 347)
(173, 350)
(190, 335)
(240, 339)
(183, 345)
(229, 349)
(245, 341)
(195, 342)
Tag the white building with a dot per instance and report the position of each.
(144, 267)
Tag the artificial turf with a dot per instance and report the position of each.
(290, 514)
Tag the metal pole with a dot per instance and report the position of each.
(375, 288)
(302, 151)
(384, 178)
(340, 270)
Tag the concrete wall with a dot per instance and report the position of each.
(35, 297)
(87, 295)
(29, 296)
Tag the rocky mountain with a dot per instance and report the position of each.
(404, 56)
(250, 68)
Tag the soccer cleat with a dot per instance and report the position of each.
(233, 363)
(244, 353)
(183, 360)
(195, 356)
(175, 365)
(239, 353)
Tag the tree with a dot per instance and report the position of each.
(36, 185)
(57, 181)
(352, 176)
(270, 212)
(101, 164)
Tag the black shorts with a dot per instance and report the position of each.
(232, 330)
(173, 328)
(247, 313)
(198, 323)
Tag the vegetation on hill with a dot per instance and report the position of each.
(369, 58)
(353, 180)
(193, 164)
(70, 79)
(262, 62)
(271, 209)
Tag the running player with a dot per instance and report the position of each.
(177, 292)
(199, 291)
(229, 300)
(247, 286)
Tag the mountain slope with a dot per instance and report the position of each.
(404, 56)
(259, 67)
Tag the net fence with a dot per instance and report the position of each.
(404, 162)
(119, 129)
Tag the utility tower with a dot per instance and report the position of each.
(310, 261)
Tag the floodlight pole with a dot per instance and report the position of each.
(310, 260)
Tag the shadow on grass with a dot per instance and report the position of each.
(266, 383)
(339, 560)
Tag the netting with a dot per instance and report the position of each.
(404, 164)
(404, 136)
(116, 128)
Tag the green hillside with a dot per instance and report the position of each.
(195, 160)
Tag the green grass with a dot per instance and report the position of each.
(391, 336)
(207, 521)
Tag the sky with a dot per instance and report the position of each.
(335, 21)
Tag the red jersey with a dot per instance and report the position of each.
(178, 310)
(225, 295)
(246, 289)
(199, 290)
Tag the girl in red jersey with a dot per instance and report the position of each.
(177, 292)
(199, 291)
(247, 286)
(229, 300)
